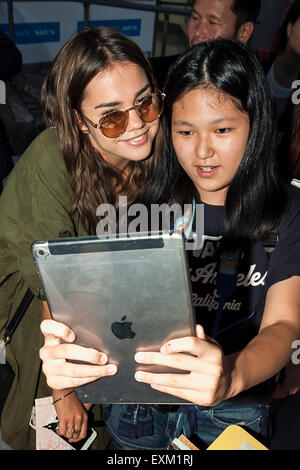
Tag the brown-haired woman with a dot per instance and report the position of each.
(101, 101)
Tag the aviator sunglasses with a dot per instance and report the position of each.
(114, 123)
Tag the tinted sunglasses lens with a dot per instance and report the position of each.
(151, 108)
(114, 124)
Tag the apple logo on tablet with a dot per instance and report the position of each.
(122, 329)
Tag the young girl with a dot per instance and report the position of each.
(99, 146)
(219, 148)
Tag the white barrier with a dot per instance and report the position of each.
(42, 28)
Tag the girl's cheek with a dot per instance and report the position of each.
(181, 150)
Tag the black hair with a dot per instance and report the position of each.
(245, 10)
(256, 197)
(293, 13)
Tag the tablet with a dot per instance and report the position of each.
(120, 295)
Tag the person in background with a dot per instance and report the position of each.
(289, 142)
(277, 39)
(211, 19)
(232, 19)
(11, 64)
(286, 397)
(284, 69)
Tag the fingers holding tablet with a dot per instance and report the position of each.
(61, 373)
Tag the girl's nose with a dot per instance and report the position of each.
(204, 149)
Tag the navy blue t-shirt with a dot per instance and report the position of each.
(240, 315)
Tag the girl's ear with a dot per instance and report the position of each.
(82, 126)
(245, 32)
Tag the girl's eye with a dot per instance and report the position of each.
(185, 133)
(223, 130)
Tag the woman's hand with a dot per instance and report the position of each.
(71, 414)
(60, 373)
(207, 382)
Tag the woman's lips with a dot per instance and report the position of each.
(138, 140)
(206, 171)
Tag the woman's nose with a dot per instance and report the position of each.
(134, 120)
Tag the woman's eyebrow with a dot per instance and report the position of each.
(139, 93)
(117, 103)
(107, 105)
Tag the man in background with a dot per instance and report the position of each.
(211, 19)
(233, 19)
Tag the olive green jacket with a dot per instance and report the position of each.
(34, 205)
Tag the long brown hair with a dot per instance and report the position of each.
(93, 180)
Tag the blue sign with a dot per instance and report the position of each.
(32, 33)
(127, 27)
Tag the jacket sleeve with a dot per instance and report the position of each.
(35, 205)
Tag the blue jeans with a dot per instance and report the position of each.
(211, 423)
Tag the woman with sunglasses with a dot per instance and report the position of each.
(101, 101)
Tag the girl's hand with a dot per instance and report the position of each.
(61, 374)
(207, 382)
(72, 416)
